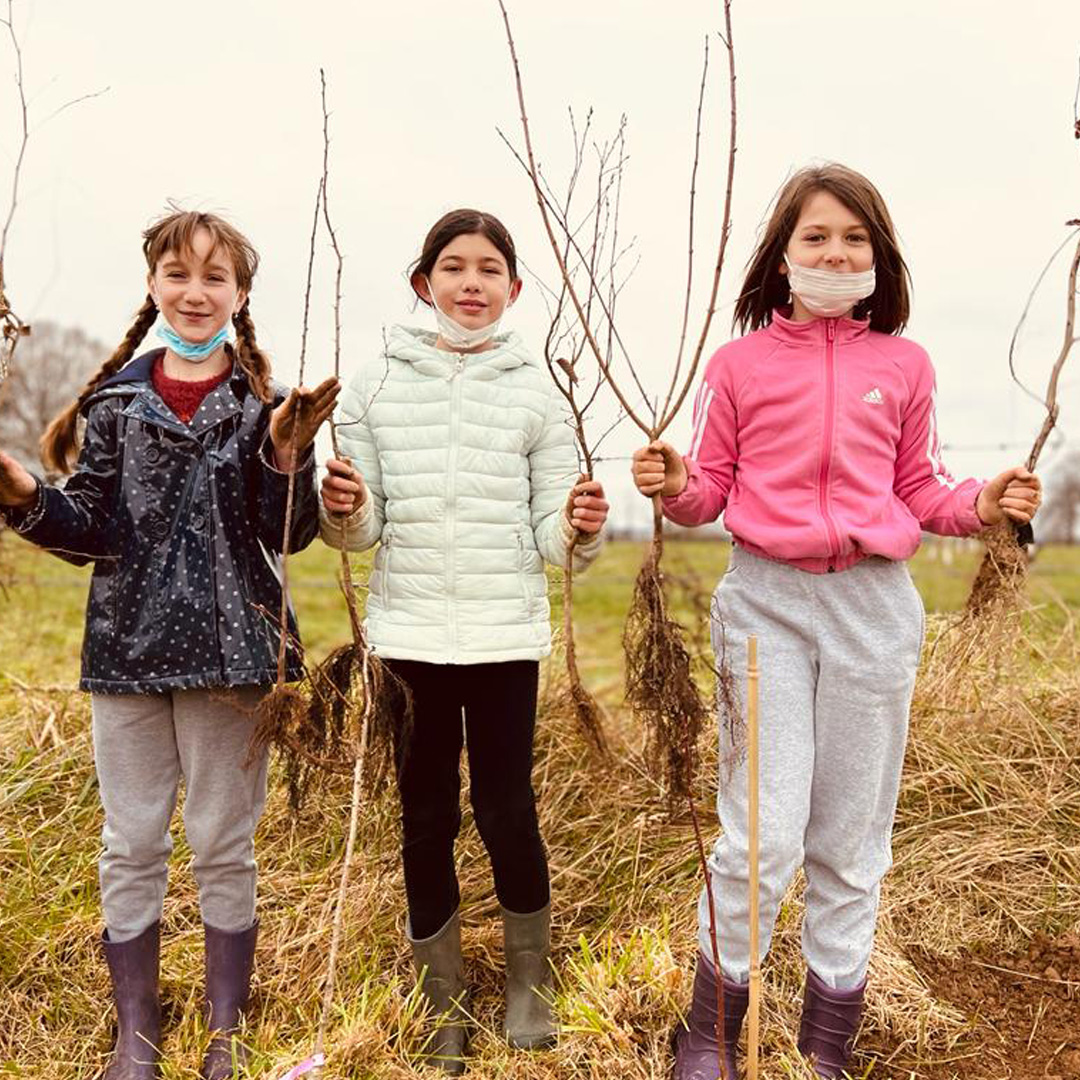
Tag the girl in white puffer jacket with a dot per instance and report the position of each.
(462, 466)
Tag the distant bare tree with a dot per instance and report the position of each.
(54, 362)
(1059, 522)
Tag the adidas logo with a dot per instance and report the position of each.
(874, 397)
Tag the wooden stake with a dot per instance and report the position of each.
(752, 787)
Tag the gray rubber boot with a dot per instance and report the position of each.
(437, 960)
(527, 945)
(229, 960)
(133, 967)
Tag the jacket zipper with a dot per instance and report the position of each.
(827, 437)
(387, 546)
(451, 495)
(523, 577)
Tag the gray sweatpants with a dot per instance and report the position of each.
(837, 655)
(143, 743)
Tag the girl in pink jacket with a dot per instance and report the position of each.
(815, 437)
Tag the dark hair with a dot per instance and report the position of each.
(765, 288)
(173, 232)
(461, 223)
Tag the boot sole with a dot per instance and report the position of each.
(532, 1042)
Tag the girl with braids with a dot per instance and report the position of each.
(815, 436)
(178, 497)
(463, 470)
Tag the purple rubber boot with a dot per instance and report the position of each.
(697, 1053)
(830, 1019)
(230, 958)
(133, 967)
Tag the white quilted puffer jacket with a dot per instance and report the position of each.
(468, 461)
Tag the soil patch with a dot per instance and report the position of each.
(1024, 1010)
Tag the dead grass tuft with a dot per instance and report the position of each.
(986, 859)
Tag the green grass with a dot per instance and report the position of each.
(40, 643)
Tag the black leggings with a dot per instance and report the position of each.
(499, 705)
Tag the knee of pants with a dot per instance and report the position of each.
(213, 843)
(421, 825)
(509, 825)
(137, 842)
(778, 859)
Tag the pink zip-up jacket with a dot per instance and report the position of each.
(818, 442)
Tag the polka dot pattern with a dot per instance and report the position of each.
(184, 524)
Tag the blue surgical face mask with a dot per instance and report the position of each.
(195, 352)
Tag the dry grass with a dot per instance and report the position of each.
(987, 849)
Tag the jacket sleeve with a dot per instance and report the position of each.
(75, 522)
(710, 462)
(273, 501)
(553, 471)
(362, 528)
(941, 504)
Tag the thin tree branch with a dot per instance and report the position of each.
(541, 202)
(725, 228)
(1069, 340)
(290, 494)
(9, 22)
(690, 230)
(1024, 314)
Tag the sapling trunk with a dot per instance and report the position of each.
(585, 707)
(659, 683)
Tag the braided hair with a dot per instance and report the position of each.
(59, 444)
(252, 360)
(173, 232)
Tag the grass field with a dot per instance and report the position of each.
(976, 971)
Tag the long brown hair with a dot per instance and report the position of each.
(460, 223)
(174, 232)
(765, 288)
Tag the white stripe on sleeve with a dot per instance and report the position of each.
(701, 421)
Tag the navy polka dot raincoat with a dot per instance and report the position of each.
(184, 525)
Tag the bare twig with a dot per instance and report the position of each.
(1027, 309)
(659, 684)
(11, 326)
(690, 227)
(725, 226)
(9, 22)
(1069, 340)
(291, 491)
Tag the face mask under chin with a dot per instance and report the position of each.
(193, 352)
(460, 337)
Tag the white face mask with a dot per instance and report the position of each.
(457, 336)
(829, 293)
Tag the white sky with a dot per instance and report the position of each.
(960, 112)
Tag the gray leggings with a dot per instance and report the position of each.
(143, 744)
(838, 655)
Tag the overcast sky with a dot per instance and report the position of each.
(960, 112)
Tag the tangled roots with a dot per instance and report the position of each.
(1000, 580)
(660, 686)
(320, 725)
(588, 715)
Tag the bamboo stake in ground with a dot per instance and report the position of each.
(752, 786)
